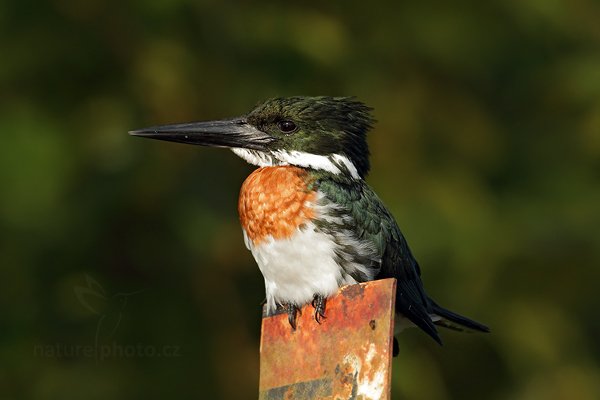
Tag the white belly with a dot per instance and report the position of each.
(297, 268)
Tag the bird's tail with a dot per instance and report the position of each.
(454, 321)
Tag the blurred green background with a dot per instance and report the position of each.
(487, 151)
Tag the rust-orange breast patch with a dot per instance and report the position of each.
(275, 201)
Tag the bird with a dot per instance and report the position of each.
(108, 307)
(308, 216)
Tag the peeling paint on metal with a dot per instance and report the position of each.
(347, 356)
(373, 384)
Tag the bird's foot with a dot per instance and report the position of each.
(292, 310)
(319, 302)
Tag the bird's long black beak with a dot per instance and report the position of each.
(232, 133)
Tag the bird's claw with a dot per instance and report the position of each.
(319, 303)
(292, 310)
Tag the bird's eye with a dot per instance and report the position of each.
(287, 126)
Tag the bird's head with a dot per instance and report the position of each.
(320, 133)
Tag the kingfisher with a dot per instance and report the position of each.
(309, 218)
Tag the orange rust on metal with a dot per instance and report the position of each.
(347, 356)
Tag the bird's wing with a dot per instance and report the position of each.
(371, 223)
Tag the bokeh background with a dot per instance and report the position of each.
(487, 151)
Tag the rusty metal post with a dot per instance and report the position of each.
(347, 356)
